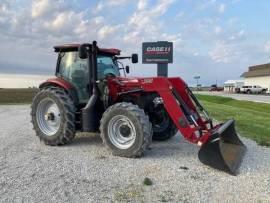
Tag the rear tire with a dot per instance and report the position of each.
(53, 116)
(126, 130)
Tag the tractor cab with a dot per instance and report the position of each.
(74, 69)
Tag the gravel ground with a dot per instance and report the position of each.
(85, 171)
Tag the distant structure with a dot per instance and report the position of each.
(258, 75)
(232, 85)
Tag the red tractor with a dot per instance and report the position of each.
(89, 95)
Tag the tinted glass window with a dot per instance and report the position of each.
(71, 64)
(75, 70)
(106, 65)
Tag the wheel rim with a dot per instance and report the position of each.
(121, 132)
(48, 117)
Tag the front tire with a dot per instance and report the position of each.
(163, 126)
(126, 130)
(53, 116)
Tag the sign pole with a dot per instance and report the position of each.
(162, 69)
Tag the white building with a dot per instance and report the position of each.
(230, 85)
(258, 75)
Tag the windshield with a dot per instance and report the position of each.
(106, 65)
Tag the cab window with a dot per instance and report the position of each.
(106, 66)
(75, 70)
(71, 65)
(70, 62)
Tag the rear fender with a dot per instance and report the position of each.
(59, 82)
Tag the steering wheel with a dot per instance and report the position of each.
(109, 75)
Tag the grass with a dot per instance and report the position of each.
(147, 181)
(252, 118)
(17, 96)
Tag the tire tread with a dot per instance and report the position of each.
(67, 133)
(144, 121)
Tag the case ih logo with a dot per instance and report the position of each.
(157, 52)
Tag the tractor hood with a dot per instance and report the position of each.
(146, 82)
(123, 85)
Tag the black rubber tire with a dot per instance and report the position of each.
(67, 130)
(141, 123)
(164, 134)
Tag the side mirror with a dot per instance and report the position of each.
(127, 69)
(134, 58)
(83, 52)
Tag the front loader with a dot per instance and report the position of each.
(90, 95)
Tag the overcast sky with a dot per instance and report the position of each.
(212, 38)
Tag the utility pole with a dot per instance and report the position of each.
(197, 80)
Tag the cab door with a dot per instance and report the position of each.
(75, 70)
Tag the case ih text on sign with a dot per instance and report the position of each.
(157, 52)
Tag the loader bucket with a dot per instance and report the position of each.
(224, 150)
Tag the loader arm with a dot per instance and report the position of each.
(180, 107)
(221, 148)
